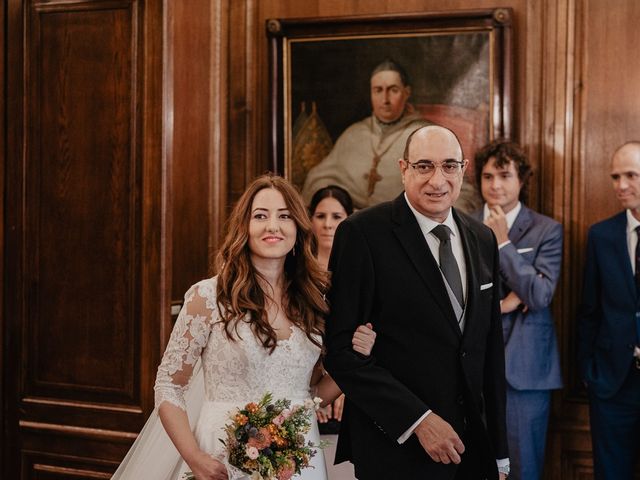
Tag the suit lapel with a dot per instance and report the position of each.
(520, 225)
(621, 251)
(413, 242)
(469, 244)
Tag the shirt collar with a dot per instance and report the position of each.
(632, 222)
(510, 217)
(426, 224)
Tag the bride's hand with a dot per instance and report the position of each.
(205, 467)
(364, 339)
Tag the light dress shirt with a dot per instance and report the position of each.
(632, 238)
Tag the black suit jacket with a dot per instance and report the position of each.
(383, 272)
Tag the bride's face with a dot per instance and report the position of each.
(272, 230)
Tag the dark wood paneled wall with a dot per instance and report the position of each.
(144, 120)
(84, 232)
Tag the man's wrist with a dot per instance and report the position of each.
(504, 469)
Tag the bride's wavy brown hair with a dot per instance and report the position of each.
(239, 292)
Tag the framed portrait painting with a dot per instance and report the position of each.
(328, 126)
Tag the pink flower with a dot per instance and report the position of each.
(286, 413)
(251, 452)
(279, 419)
(287, 470)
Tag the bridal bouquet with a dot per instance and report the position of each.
(266, 440)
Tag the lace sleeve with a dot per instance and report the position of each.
(189, 336)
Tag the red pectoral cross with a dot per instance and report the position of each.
(373, 176)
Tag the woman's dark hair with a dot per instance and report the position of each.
(504, 152)
(238, 290)
(333, 191)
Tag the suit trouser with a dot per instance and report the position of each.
(615, 427)
(474, 459)
(527, 419)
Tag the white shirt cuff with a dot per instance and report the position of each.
(403, 438)
(502, 462)
(504, 244)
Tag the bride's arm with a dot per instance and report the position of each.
(175, 422)
(188, 339)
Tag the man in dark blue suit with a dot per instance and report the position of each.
(530, 247)
(609, 325)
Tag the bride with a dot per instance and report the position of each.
(254, 328)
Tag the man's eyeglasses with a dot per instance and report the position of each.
(450, 168)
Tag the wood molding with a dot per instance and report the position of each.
(81, 432)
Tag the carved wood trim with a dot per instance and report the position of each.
(82, 432)
(66, 472)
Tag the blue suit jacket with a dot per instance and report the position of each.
(530, 266)
(607, 328)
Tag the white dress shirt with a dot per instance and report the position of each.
(632, 238)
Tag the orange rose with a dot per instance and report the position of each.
(252, 407)
(280, 442)
(261, 440)
(241, 419)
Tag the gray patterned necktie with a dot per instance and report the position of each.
(448, 263)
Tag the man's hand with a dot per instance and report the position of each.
(439, 439)
(502, 476)
(510, 303)
(338, 407)
(497, 221)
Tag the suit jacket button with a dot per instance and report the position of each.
(460, 400)
(463, 353)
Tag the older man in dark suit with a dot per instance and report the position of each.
(609, 325)
(530, 248)
(430, 400)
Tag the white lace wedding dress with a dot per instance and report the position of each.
(234, 373)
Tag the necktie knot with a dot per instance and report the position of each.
(442, 232)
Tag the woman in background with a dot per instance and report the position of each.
(328, 208)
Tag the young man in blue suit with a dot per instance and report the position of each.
(530, 247)
(609, 325)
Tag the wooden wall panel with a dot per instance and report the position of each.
(590, 109)
(83, 186)
(3, 151)
(196, 43)
(85, 226)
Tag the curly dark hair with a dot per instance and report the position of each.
(504, 152)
